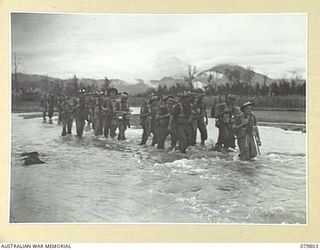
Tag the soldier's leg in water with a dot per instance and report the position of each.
(83, 121)
(121, 127)
(203, 131)
(92, 119)
(252, 146)
(144, 134)
(231, 137)
(77, 120)
(79, 126)
(59, 118)
(96, 125)
(50, 113)
(69, 125)
(113, 128)
(154, 131)
(100, 131)
(44, 113)
(88, 119)
(106, 126)
(162, 135)
(182, 137)
(243, 148)
(189, 133)
(174, 136)
(64, 126)
(193, 135)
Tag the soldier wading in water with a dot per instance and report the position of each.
(182, 116)
(247, 133)
(66, 116)
(225, 113)
(148, 119)
(80, 112)
(122, 115)
(163, 119)
(108, 108)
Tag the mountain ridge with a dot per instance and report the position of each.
(219, 74)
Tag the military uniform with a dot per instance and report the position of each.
(150, 123)
(66, 117)
(246, 129)
(225, 128)
(51, 104)
(144, 113)
(181, 114)
(193, 119)
(44, 106)
(163, 116)
(98, 116)
(108, 125)
(80, 114)
(122, 118)
(202, 121)
(59, 107)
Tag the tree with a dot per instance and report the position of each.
(192, 71)
(265, 77)
(233, 76)
(107, 83)
(265, 90)
(73, 87)
(248, 75)
(257, 89)
(16, 64)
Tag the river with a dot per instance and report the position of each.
(98, 180)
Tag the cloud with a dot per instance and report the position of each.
(152, 46)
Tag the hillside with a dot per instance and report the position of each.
(219, 74)
(226, 69)
(46, 83)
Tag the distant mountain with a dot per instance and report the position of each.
(46, 83)
(225, 70)
(32, 78)
(219, 74)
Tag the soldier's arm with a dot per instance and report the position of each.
(160, 117)
(205, 114)
(145, 112)
(240, 122)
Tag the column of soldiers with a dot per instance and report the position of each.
(178, 117)
(104, 111)
(237, 123)
(181, 118)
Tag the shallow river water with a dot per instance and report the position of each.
(98, 180)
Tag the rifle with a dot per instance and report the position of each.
(256, 137)
(256, 140)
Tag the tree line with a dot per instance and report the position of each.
(280, 88)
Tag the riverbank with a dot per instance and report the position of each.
(289, 120)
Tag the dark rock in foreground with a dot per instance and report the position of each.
(31, 158)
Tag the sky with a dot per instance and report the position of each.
(149, 46)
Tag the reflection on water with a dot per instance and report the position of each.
(93, 179)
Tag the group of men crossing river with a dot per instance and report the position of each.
(178, 117)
